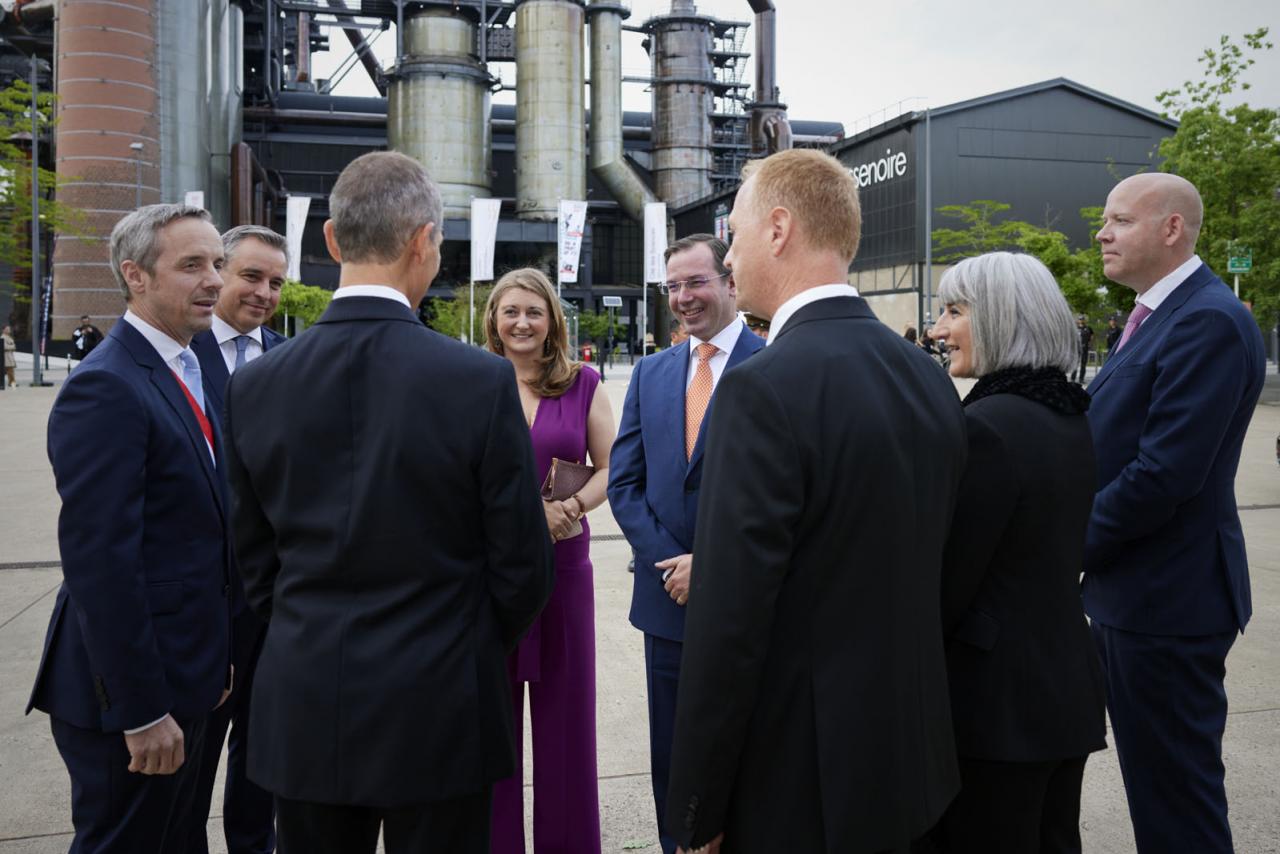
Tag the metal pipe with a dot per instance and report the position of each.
(302, 51)
(770, 129)
(37, 297)
(361, 46)
(607, 159)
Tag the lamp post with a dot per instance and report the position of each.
(37, 283)
(137, 186)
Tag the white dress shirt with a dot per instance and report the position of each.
(226, 334)
(1160, 291)
(724, 340)
(382, 291)
(800, 300)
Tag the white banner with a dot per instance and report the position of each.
(195, 198)
(655, 242)
(295, 222)
(484, 236)
(573, 223)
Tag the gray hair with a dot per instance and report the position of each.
(378, 202)
(240, 233)
(1017, 314)
(136, 237)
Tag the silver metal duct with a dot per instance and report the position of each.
(550, 126)
(182, 65)
(682, 95)
(770, 129)
(226, 24)
(607, 160)
(438, 107)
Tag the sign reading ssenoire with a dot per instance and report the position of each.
(885, 169)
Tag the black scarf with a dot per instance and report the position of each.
(1043, 385)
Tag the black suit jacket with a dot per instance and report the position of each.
(812, 711)
(1026, 684)
(388, 526)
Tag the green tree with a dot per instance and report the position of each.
(594, 326)
(1232, 155)
(451, 315)
(305, 302)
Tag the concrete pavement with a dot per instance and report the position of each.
(34, 790)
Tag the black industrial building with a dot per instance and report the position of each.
(1048, 150)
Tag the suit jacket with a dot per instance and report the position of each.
(1165, 551)
(388, 527)
(653, 487)
(141, 625)
(1026, 685)
(214, 366)
(812, 709)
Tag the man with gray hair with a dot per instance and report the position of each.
(138, 648)
(388, 528)
(252, 275)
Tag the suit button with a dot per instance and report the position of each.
(689, 490)
(226, 590)
(691, 815)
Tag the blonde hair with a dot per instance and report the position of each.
(818, 190)
(558, 370)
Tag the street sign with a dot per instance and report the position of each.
(1240, 260)
(612, 302)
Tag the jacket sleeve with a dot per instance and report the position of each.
(253, 535)
(1201, 378)
(520, 568)
(628, 499)
(742, 553)
(98, 438)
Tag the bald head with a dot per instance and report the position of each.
(1150, 226)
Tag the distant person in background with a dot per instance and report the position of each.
(757, 324)
(568, 418)
(1026, 687)
(1113, 336)
(86, 337)
(1086, 341)
(910, 334)
(10, 361)
(678, 335)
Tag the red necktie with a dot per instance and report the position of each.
(205, 426)
(1139, 314)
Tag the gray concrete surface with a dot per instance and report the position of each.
(34, 790)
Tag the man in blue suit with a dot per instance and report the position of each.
(1166, 580)
(138, 648)
(655, 469)
(253, 274)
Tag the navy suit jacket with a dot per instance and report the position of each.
(1164, 553)
(653, 488)
(141, 625)
(214, 367)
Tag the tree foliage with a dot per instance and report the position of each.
(594, 326)
(451, 315)
(1232, 155)
(305, 302)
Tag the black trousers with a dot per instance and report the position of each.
(1014, 808)
(459, 826)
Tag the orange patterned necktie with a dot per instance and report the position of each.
(697, 398)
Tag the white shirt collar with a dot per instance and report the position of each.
(168, 348)
(382, 291)
(800, 300)
(224, 332)
(1160, 291)
(724, 340)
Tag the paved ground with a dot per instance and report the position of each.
(34, 791)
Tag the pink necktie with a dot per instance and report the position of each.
(1131, 325)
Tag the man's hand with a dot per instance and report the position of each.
(712, 847)
(226, 692)
(676, 582)
(559, 519)
(157, 749)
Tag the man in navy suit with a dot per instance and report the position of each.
(656, 467)
(138, 648)
(1166, 580)
(252, 275)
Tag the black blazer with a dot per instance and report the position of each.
(1026, 684)
(812, 711)
(388, 526)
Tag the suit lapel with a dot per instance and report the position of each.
(167, 382)
(216, 376)
(671, 380)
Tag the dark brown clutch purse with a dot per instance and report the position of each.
(564, 480)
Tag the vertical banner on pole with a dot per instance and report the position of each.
(572, 225)
(655, 269)
(484, 238)
(195, 198)
(295, 223)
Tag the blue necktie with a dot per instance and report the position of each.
(242, 344)
(191, 376)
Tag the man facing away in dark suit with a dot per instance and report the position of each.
(252, 275)
(389, 530)
(138, 648)
(1166, 581)
(813, 710)
(656, 468)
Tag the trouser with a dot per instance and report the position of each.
(457, 826)
(662, 675)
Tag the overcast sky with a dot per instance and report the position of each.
(848, 62)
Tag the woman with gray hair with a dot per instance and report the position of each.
(1026, 686)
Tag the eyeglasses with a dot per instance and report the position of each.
(665, 288)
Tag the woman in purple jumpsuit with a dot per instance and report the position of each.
(567, 420)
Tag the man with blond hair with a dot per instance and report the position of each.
(1166, 581)
(812, 710)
